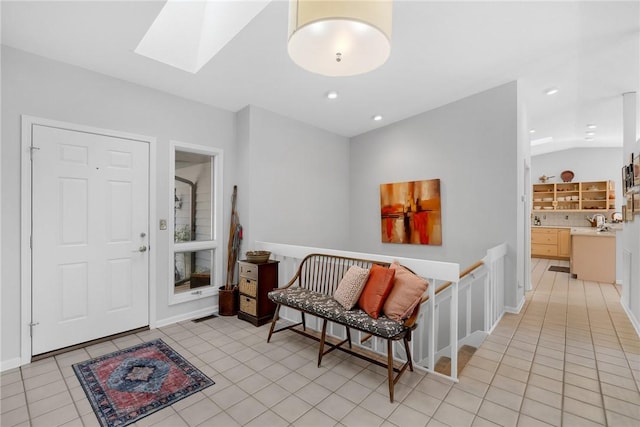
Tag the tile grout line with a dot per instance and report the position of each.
(595, 353)
(517, 326)
(586, 307)
(604, 408)
(535, 291)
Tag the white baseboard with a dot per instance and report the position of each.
(496, 323)
(515, 310)
(632, 317)
(186, 316)
(6, 365)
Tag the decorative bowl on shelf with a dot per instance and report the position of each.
(258, 257)
(567, 176)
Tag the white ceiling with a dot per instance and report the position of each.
(441, 52)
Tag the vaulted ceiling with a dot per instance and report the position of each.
(441, 52)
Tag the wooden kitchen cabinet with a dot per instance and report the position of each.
(564, 243)
(594, 258)
(256, 280)
(574, 196)
(550, 242)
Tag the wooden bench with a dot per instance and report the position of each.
(317, 278)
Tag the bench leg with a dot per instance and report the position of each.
(304, 323)
(390, 368)
(348, 336)
(273, 321)
(407, 350)
(322, 339)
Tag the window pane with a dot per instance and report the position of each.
(192, 269)
(193, 195)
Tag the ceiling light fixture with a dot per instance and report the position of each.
(591, 126)
(589, 138)
(332, 94)
(339, 38)
(532, 131)
(377, 117)
(551, 91)
(590, 133)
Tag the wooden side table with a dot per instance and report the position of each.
(256, 280)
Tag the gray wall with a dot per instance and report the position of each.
(588, 164)
(471, 146)
(292, 178)
(295, 182)
(39, 87)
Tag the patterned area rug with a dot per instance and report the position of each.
(130, 384)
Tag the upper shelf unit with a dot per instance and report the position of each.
(574, 196)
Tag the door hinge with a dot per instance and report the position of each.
(31, 150)
(31, 325)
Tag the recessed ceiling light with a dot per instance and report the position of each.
(551, 91)
(377, 117)
(590, 133)
(532, 131)
(591, 126)
(332, 94)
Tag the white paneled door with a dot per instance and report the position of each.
(90, 225)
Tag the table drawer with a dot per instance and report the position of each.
(248, 286)
(248, 305)
(249, 270)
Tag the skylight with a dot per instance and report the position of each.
(186, 34)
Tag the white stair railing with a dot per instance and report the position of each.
(440, 317)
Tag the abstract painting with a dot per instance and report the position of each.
(410, 212)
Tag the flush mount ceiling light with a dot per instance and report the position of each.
(339, 38)
(590, 133)
(591, 126)
(551, 91)
(377, 117)
(532, 131)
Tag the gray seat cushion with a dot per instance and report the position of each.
(325, 306)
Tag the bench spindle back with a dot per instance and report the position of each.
(322, 273)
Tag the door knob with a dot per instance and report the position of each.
(141, 249)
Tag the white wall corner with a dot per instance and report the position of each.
(515, 310)
(6, 365)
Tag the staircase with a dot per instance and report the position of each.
(443, 366)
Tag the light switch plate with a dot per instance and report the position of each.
(163, 224)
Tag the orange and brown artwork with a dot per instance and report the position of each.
(410, 212)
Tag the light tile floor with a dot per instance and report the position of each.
(570, 358)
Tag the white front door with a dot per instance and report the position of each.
(90, 225)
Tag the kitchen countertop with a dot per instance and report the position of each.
(592, 231)
(586, 230)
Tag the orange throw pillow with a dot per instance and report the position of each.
(405, 295)
(376, 290)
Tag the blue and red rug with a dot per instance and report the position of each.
(130, 384)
